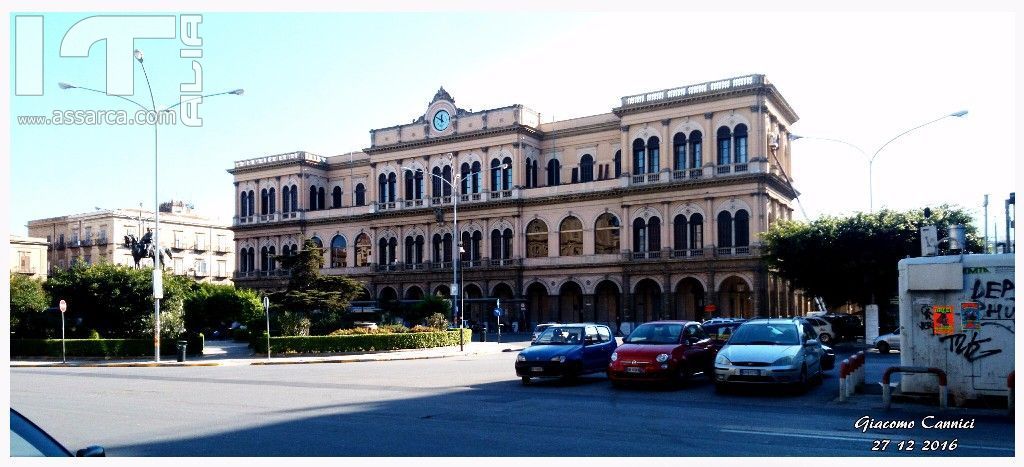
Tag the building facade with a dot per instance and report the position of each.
(28, 256)
(200, 247)
(653, 210)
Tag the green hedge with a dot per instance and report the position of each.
(102, 347)
(361, 342)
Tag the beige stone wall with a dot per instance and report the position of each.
(29, 256)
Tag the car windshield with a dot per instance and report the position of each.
(655, 333)
(765, 334)
(560, 335)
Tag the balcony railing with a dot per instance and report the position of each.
(440, 265)
(692, 90)
(100, 241)
(506, 262)
(467, 264)
(198, 247)
(726, 170)
(26, 270)
(87, 242)
(179, 245)
(687, 174)
(289, 215)
(244, 274)
(691, 253)
(61, 245)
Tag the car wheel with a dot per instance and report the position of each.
(825, 338)
(883, 347)
(526, 380)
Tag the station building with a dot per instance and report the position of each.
(653, 210)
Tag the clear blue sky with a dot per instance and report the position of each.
(320, 82)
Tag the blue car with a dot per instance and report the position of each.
(567, 351)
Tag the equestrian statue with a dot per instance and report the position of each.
(144, 248)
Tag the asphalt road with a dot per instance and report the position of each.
(468, 406)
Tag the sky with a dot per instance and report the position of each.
(320, 81)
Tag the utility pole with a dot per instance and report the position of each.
(985, 204)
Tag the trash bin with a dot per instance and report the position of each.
(483, 334)
(181, 350)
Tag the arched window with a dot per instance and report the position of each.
(243, 204)
(295, 198)
(437, 249)
(435, 183)
(264, 202)
(679, 152)
(587, 168)
(696, 231)
(506, 183)
(535, 172)
(618, 164)
(409, 190)
(496, 175)
(724, 229)
(478, 238)
(360, 195)
(271, 253)
(392, 187)
(606, 234)
(446, 247)
(409, 249)
(723, 146)
(363, 250)
(382, 182)
(653, 155)
(336, 197)
(696, 145)
(679, 228)
(471, 245)
(446, 188)
(272, 195)
(570, 237)
(639, 157)
(529, 179)
(286, 193)
(554, 175)
(339, 254)
(252, 253)
(321, 200)
(318, 243)
(264, 259)
(506, 244)
(537, 239)
(392, 249)
(654, 234)
(495, 244)
(382, 252)
(742, 226)
(739, 136)
(465, 178)
(252, 203)
(312, 198)
(418, 257)
(639, 235)
(475, 177)
(243, 260)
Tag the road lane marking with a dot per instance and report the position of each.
(847, 438)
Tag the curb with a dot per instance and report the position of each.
(252, 362)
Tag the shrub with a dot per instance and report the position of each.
(394, 328)
(362, 343)
(294, 324)
(437, 321)
(93, 334)
(105, 348)
(421, 328)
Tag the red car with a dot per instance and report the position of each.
(663, 351)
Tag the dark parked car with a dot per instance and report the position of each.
(846, 326)
(566, 351)
(28, 440)
(662, 351)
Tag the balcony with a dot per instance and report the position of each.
(221, 249)
(245, 274)
(644, 255)
(87, 242)
(707, 172)
(220, 274)
(199, 247)
(25, 269)
(638, 100)
(101, 241)
(61, 245)
(507, 262)
(179, 245)
(289, 215)
(693, 253)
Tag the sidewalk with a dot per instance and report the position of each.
(228, 353)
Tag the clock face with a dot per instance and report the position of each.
(441, 120)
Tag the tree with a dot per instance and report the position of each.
(210, 307)
(117, 300)
(429, 306)
(28, 305)
(854, 259)
(321, 299)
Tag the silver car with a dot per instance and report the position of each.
(770, 351)
(887, 342)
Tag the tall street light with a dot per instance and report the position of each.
(455, 238)
(871, 160)
(157, 271)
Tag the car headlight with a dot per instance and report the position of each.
(521, 358)
(722, 360)
(560, 359)
(615, 356)
(783, 361)
(662, 358)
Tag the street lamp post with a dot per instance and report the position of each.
(456, 240)
(871, 160)
(157, 271)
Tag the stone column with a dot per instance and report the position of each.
(665, 156)
(627, 151)
(666, 228)
(626, 235)
(668, 298)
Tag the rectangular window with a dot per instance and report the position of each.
(201, 267)
(178, 266)
(222, 266)
(200, 242)
(179, 239)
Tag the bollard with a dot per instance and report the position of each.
(1009, 394)
(943, 388)
(886, 395)
(844, 370)
(860, 370)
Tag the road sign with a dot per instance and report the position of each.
(266, 302)
(63, 306)
(497, 312)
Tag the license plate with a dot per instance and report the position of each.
(634, 369)
(536, 369)
(750, 372)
